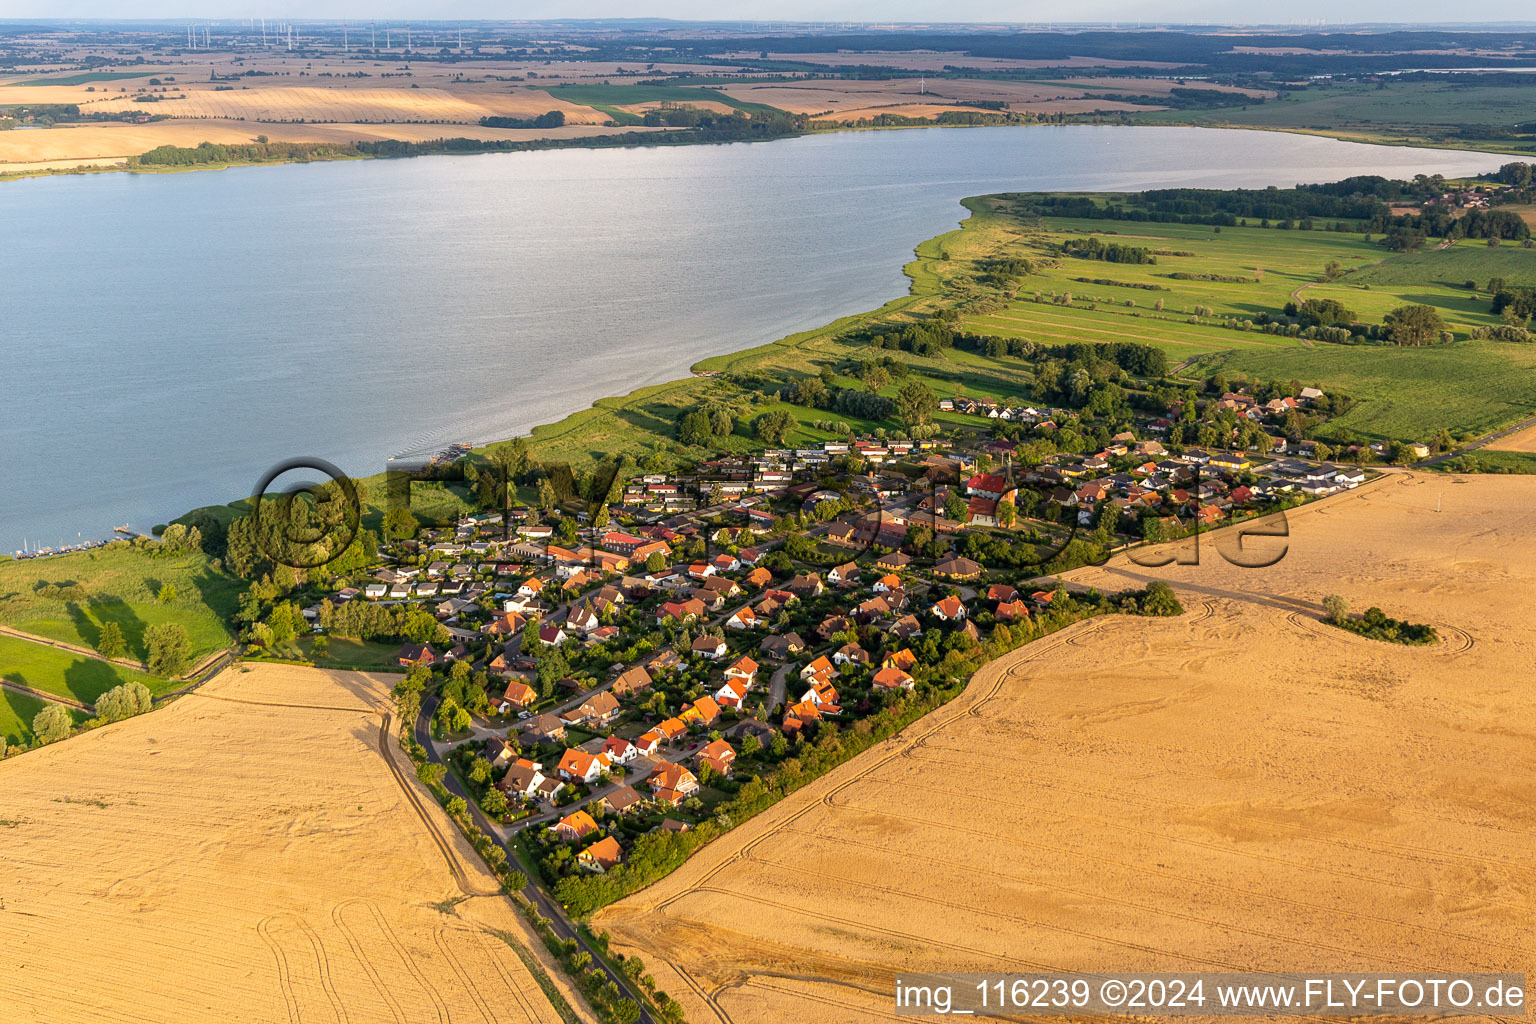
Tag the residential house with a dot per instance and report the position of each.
(545, 728)
(744, 669)
(948, 610)
(575, 826)
(719, 756)
(518, 695)
(577, 765)
(411, 655)
(672, 783)
(631, 681)
(893, 679)
(621, 801)
(710, 647)
(601, 855)
(619, 750)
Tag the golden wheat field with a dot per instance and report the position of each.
(1521, 441)
(247, 854)
(1241, 788)
(67, 145)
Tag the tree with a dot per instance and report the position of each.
(915, 403)
(548, 499)
(111, 643)
(52, 724)
(167, 593)
(124, 701)
(772, 425)
(1335, 608)
(1324, 312)
(1413, 325)
(399, 524)
(169, 649)
(1333, 270)
(320, 649)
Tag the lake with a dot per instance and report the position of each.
(168, 337)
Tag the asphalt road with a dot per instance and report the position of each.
(533, 891)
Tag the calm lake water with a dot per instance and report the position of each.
(167, 338)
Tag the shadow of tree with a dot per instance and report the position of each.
(103, 609)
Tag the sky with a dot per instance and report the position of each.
(1128, 12)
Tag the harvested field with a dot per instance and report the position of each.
(247, 854)
(862, 99)
(1523, 441)
(68, 145)
(1243, 788)
(932, 60)
(359, 103)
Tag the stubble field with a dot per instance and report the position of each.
(247, 855)
(1243, 788)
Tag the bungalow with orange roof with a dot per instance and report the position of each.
(579, 766)
(648, 742)
(820, 668)
(574, 826)
(893, 679)
(703, 711)
(1011, 611)
(601, 855)
(759, 577)
(672, 729)
(744, 618)
(743, 669)
(619, 750)
(890, 581)
(821, 693)
(903, 659)
(680, 611)
(948, 610)
(732, 694)
(719, 756)
(518, 695)
(532, 587)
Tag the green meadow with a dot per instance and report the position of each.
(69, 598)
(61, 672)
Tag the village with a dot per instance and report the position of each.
(603, 682)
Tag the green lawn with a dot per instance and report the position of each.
(86, 78)
(54, 671)
(1468, 260)
(69, 598)
(1468, 387)
(355, 655)
(1439, 112)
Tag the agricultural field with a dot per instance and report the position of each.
(1468, 387)
(70, 597)
(1371, 813)
(66, 674)
(342, 890)
(1413, 113)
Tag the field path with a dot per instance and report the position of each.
(70, 702)
(84, 652)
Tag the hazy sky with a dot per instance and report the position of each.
(1126, 11)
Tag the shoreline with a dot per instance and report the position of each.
(922, 283)
(1492, 146)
